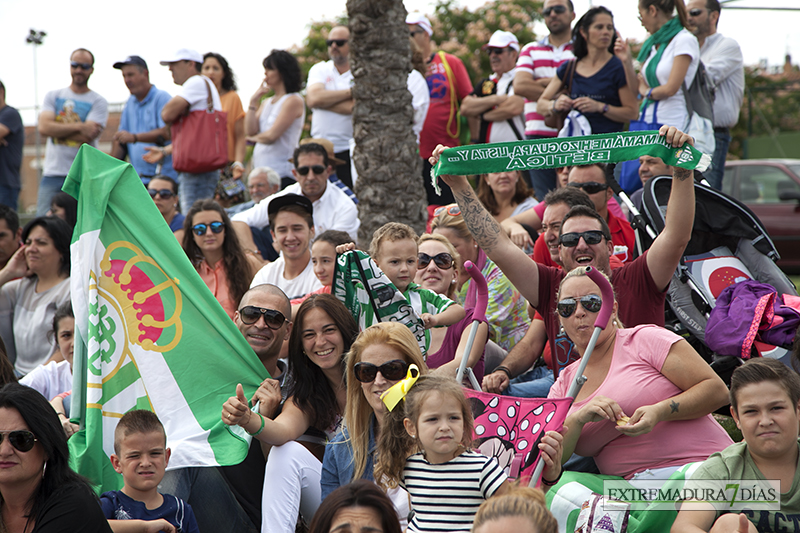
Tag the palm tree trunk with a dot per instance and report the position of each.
(386, 157)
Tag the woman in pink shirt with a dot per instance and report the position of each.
(215, 252)
(647, 401)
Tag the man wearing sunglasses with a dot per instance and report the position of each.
(724, 64)
(329, 95)
(70, 117)
(493, 101)
(536, 65)
(235, 505)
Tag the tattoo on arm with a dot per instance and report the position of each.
(484, 228)
(681, 174)
(674, 406)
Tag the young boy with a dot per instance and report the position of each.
(141, 456)
(765, 397)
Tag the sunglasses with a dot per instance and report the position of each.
(590, 302)
(200, 229)
(22, 439)
(393, 370)
(590, 187)
(572, 239)
(442, 260)
(337, 42)
(316, 169)
(84, 66)
(495, 51)
(272, 318)
(452, 210)
(559, 10)
(163, 193)
(695, 12)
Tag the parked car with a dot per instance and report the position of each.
(771, 188)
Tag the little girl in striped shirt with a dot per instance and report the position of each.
(424, 446)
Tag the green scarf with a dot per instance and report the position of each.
(661, 39)
(559, 152)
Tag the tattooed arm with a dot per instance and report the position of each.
(666, 251)
(703, 392)
(488, 234)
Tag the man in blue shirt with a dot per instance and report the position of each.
(141, 123)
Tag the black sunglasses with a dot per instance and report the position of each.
(559, 10)
(84, 66)
(442, 260)
(393, 370)
(695, 12)
(338, 42)
(201, 229)
(590, 187)
(272, 318)
(572, 239)
(590, 302)
(22, 439)
(163, 193)
(316, 169)
(496, 51)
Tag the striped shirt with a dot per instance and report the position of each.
(541, 60)
(426, 301)
(445, 497)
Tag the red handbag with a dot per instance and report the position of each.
(200, 139)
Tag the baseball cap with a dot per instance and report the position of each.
(420, 20)
(184, 54)
(278, 203)
(502, 39)
(131, 60)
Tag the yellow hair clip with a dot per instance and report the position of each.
(399, 390)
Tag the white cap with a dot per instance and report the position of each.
(184, 54)
(501, 39)
(420, 20)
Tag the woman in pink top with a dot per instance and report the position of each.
(215, 252)
(646, 404)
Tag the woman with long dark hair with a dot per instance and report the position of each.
(216, 68)
(214, 250)
(321, 335)
(275, 123)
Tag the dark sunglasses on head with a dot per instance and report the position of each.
(590, 302)
(84, 66)
(201, 229)
(22, 439)
(559, 10)
(338, 42)
(695, 12)
(316, 169)
(393, 370)
(590, 187)
(272, 318)
(442, 260)
(495, 51)
(163, 193)
(572, 239)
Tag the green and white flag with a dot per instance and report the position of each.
(149, 333)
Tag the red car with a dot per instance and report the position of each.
(771, 189)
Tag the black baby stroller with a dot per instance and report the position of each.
(728, 244)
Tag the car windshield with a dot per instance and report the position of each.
(795, 169)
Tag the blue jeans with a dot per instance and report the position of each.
(9, 196)
(212, 501)
(49, 186)
(715, 174)
(543, 180)
(535, 383)
(193, 187)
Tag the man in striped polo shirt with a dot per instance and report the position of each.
(537, 63)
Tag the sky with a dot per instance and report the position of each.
(246, 30)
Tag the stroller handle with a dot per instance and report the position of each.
(482, 299)
(607, 294)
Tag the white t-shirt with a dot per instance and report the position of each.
(50, 380)
(335, 127)
(672, 111)
(194, 91)
(420, 99)
(294, 288)
(500, 130)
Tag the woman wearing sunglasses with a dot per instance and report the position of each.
(164, 192)
(378, 359)
(437, 270)
(506, 311)
(646, 404)
(38, 490)
(214, 250)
